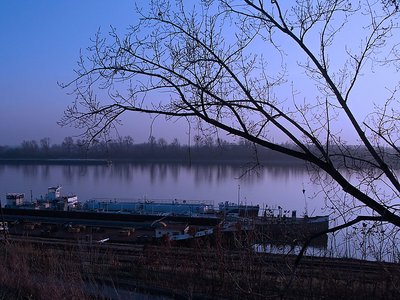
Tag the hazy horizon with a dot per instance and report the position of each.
(41, 46)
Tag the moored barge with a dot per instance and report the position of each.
(228, 218)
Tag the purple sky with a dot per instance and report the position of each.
(40, 44)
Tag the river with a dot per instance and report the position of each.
(290, 187)
(269, 186)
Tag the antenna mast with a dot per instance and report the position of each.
(238, 194)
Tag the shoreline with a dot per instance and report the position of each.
(103, 161)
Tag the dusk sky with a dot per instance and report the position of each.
(41, 42)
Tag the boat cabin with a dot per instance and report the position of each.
(53, 193)
(15, 199)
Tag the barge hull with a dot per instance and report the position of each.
(118, 219)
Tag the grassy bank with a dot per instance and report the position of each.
(47, 269)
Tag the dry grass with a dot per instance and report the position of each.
(37, 272)
(41, 271)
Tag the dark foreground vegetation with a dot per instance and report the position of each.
(55, 269)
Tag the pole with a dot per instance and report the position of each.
(238, 194)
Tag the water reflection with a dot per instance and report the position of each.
(159, 171)
(270, 186)
(123, 180)
(30, 170)
(317, 247)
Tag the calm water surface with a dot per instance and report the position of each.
(272, 186)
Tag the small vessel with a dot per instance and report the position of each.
(274, 223)
(54, 194)
(52, 200)
(182, 232)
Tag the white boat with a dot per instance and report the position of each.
(180, 232)
(54, 194)
(52, 200)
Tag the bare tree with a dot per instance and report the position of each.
(45, 144)
(264, 71)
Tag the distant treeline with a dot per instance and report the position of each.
(203, 150)
(124, 149)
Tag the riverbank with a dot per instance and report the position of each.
(147, 161)
(45, 268)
